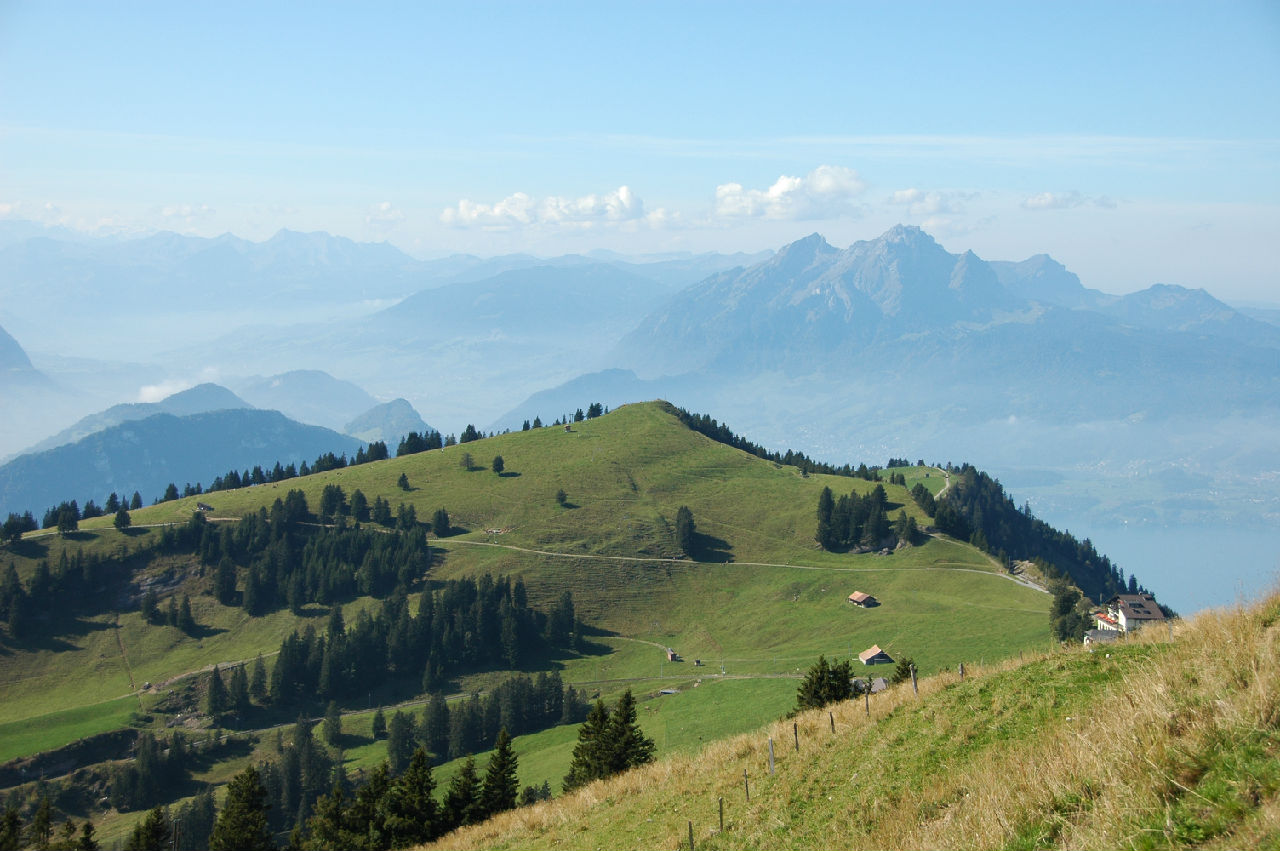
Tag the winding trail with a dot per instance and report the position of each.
(944, 566)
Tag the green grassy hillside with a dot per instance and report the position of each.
(1134, 746)
(757, 604)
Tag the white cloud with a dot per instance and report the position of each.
(933, 203)
(47, 213)
(163, 390)
(186, 216)
(1065, 201)
(827, 192)
(384, 216)
(520, 209)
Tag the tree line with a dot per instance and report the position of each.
(976, 509)
(721, 433)
(860, 521)
(463, 625)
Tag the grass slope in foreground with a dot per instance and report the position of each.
(1134, 746)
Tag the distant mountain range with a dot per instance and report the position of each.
(388, 422)
(198, 399)
(895, 345)
(146, 455)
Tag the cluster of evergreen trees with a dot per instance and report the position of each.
(595, 409)
(976, 509)
(856, 520)
(707, 426)
(233, 479)
(151, 776)
(465, 624)
(55, 596)
(825, 683)
(519, 705)
(609, 742)
(40, 833)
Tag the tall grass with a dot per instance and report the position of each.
(1163, 741)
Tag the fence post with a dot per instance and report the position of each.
(746, 788)
(915, 687)
(962, 672)
(795, 729)
(722, 814)
(771, 754)
(866, 700)
(832, 716)
(690, 836)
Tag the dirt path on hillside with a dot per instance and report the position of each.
(653, 560)
(124, 657)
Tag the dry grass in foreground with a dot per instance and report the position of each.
(1149, 744)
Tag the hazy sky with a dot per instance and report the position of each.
(1135, 142)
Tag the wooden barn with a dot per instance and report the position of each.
(863, 599)
(873, 655)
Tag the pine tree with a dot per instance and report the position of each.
(86, 842)
(630, 746)
(462, 798)
(11, 829)
(186, 620)
(242, 824)
(400, 741)
(41, 829)
(501, 783)
(150, 834)
(329, 828)
(216, 700)
(239, 691)
(410, 813)
(589, 758)
(685, 530)
(258, 681)
(379, 725)
(333, 724)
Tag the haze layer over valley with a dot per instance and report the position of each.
(1151, 411)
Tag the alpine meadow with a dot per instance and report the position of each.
(639, 425)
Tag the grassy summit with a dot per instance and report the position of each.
(757, 602)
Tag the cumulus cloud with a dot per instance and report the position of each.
(384, 216)
(1065, 201)
(163, 390)
(921, 203)
(520, 209)
(46, 213)
(185, 215)
(827, 192)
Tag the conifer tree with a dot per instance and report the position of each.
(11, 829)
(150, 834)
(628, 746)
(239, 690)
(186, 620)
(86, 842)
(685, 530)
(242, 824)
(258, 681)
(410, 813)
(41, 829)
(589, 758)
(501, 784)
(333, 724)
(399, 741)
(462, 798)
(216, 700)
(366, 817)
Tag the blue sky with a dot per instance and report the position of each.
(1135, 142)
